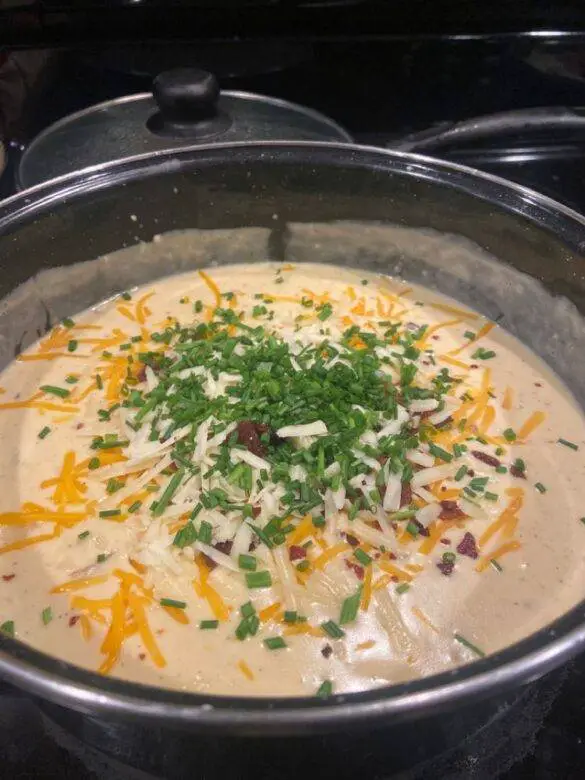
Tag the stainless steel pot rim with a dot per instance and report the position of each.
(85, 691)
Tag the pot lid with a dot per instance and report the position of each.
(185, 108)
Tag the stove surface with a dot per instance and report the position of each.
(380, 91)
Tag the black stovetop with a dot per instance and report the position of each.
(379, 90)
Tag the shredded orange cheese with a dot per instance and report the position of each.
(245, 670)
(508, 547)
(535, 419)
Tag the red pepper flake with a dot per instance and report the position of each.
(358, 570)
(8, 577)
(467, 546)
(405, 494)
(74, 619)
(296, 553)
(352, 540)
(446, 567)
(450, 510)
(489, 460)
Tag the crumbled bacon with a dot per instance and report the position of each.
(249, 435)
(358, 570)
(516, 472)
(142, 656)
(445, 541)
(296, 552)
(489, 460)
(352, 540)
(8, 577)
(467, 546)
(224, 547)
(256, 510)
(421, 529)
(405, 494)
(446, 567)
(326, 651)
(79, 426)
(74, 619)
(450, 510)
(141, 374)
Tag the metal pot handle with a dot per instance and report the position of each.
(527, 119)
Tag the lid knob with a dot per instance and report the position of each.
(187, 99)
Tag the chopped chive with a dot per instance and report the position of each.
(490, 496)
(173, 603)
(109, 444)
(275, 643)
(83, 535)
(44, 432)
(290, 616)
(540, 487)
(303, 565)
(499, 451)
(332, 629)
(413, 528)
(461, 472)
(247, 609)
(509, 435)
(582, 519)
(134, 507)
(206, 625)
(71, 379)
(93, 464)
(126, 296)
(72, 345)
(99, 382)
(102, 557)
(68, 322)
(325, 690)
(47, 615)
(469, 645)
(110, 513)
(61, 392)
(184, 536)
(469, 334)
(402, 588)
(483, 354)
(247, 562)
(350, 608)
(571, 445)
(8, 627)
(205, 531)
(496, 565)
(362, 556)
(501, 469)
(169, 492)
(259, 579)
(439, 452)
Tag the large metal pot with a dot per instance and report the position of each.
(295, 195)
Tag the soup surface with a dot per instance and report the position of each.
(266, 480)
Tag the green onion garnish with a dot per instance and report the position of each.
(469, 645)
(290, 616)
(205, 531)
(332, 629)
(173, 603)
(275, 643)
(325, 690)
(110, 513)
(134, 507)
(571, 445)
(258, 579)
(540, 487)
(68, 322)
(206, 625)
(402, 588)
(350, 607)
(61, 392)
(509, 435)
(439, 452)
(47, 615)
(83, 535)
(496, 565)
(8, 627)
(169, 492)
(461, 472)
(362, 556)
(72, 345)
(44, 432)
(185, 536)
(247, 562)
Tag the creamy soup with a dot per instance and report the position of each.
(266, 480)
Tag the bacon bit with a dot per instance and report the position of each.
(8, 577)
(516, 472)
(351, 540)
(256, 510)
(74, 619)
(422, 531)
(142, 656)
(445, 541)
(326, 651)
(224, 547)
(405, 494)
(296, 553)
(446, 567)
(249, 435)
(467, 546)
(450, 510)
(489, 460)
(356, 568)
